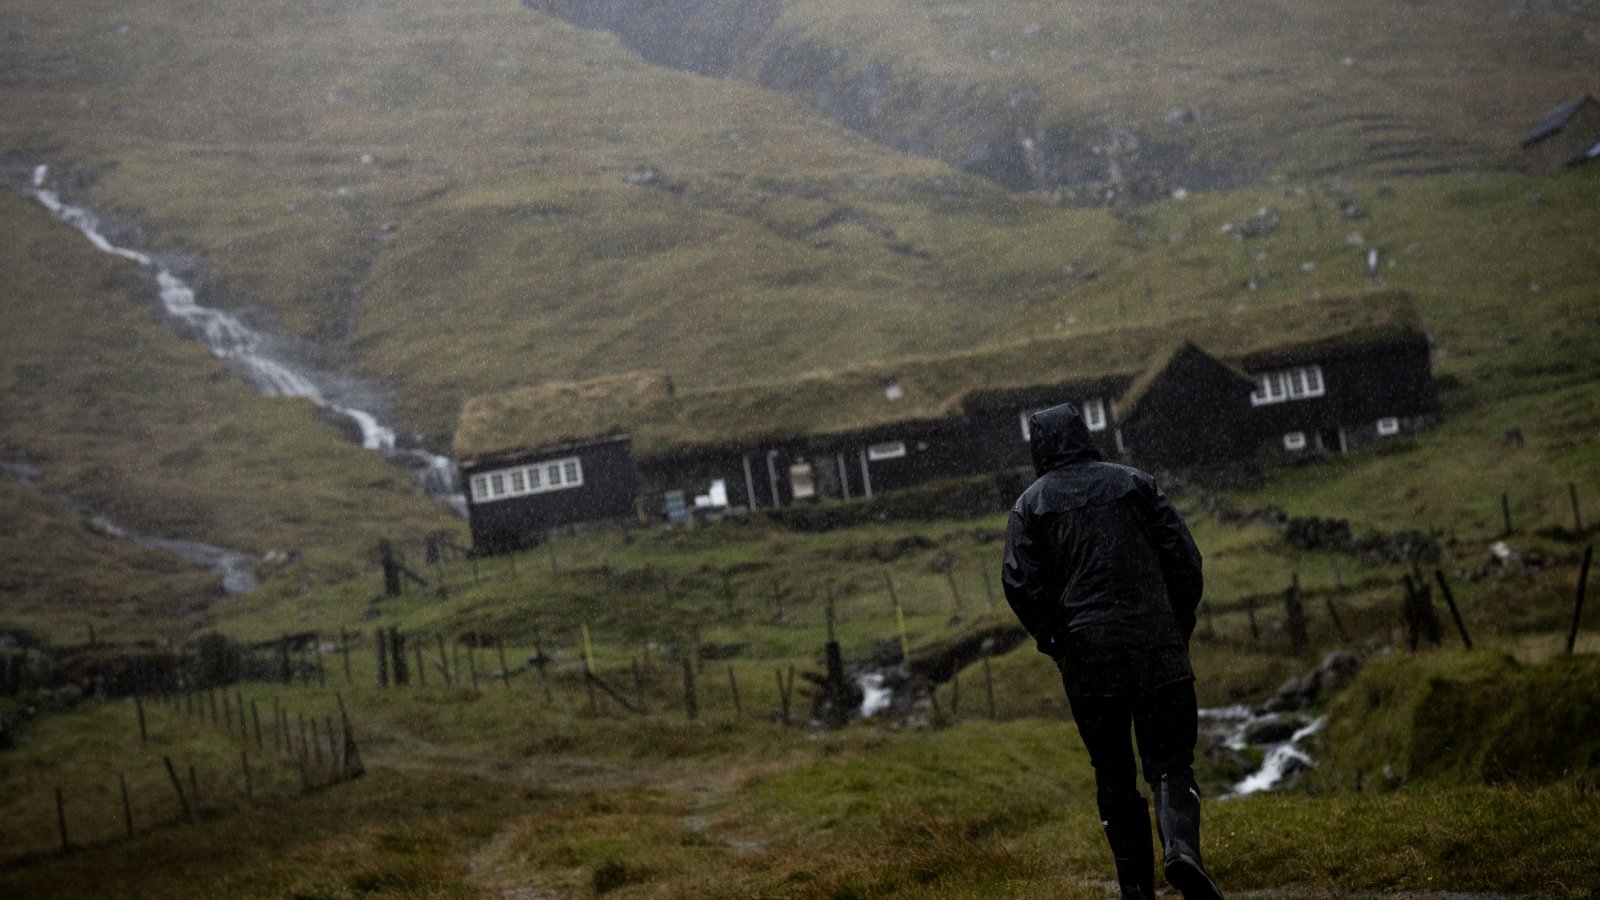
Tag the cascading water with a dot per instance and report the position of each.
(1283, 756)
(251, 353)
(236, 569)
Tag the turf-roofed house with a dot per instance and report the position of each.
(1567, 136)
(1292, 381)
(549, 457)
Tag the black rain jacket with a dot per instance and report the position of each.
(1099, 567)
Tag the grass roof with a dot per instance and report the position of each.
(930, 387)
(560, 412)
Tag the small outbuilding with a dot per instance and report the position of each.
(1567, 136)
(551, 457)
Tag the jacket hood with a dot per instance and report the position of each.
(1057, 437)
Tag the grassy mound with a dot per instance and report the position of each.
(1467, 718)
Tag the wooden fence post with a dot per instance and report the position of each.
(783, 697)
(344, 650)
(444, 661)
(381, 647)
(352, 754)
(1505, 511)
(472, 663)
(138, 706)
(1450, 601)
(316, 743)
(1577, 605)
(691, 705)
(183, 801)
(333, 748)
(539, 664)
(244, 726)
(1295, 612)
(61, 820)
(255, 718)
(955, 592)
(1338, 621)
(397, 656)
(127, 808)
(733, 688)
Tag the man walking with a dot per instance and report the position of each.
(1103, 573)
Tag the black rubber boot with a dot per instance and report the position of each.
(1128, 833)
(1178, 819)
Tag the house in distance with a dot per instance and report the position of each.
(1567, 136)
(1293, 381)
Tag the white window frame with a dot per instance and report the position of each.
(1294, 441)
(886, 450)
(1094, 414)
(1025, 415)
(1283, 385)
(537, 478)
(1388, 426)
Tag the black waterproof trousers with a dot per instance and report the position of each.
(1165, 722)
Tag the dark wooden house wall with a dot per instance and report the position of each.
(607, 492)
(1196, 413)
(1361, 385)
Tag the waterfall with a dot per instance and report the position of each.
(252, 353)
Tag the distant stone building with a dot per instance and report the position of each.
(1567, 136)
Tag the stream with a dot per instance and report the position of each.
(1278, 735)
(269, 365)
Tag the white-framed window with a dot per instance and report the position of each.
(1388, 426)
(1094, 414)
(521, 481)
(1299, 383)
(1294, 440)
(886, 450)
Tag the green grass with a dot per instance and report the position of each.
(128, 419)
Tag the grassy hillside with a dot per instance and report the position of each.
(124, 417)
(1143, 97)
(481, 197)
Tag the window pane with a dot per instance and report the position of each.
(497, 484)
(1094, 415)
(886, 450)
(535, 479)
(1314, 381)
(480, 487)
(519, 484)
(553, 474)
(570, 469)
